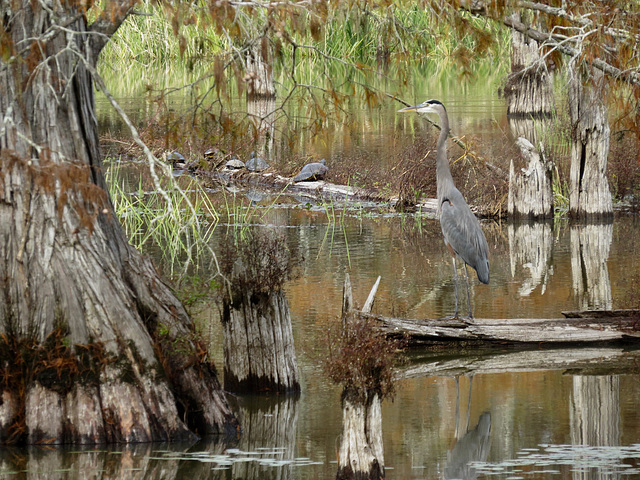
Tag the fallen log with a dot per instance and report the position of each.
(586, 328)
(319, 190)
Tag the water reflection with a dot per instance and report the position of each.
(590, 245)
(531, 246)
(471, 448)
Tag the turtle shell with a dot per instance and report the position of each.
(257, 164)
(235, 164)
(312, 171)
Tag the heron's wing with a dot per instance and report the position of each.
(462, 231)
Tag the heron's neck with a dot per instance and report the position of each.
(443, 173)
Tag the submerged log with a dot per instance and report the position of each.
(620, 326)
(593, 360)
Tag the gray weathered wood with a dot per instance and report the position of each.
(347, 297)
(529, 87)
(368, 304)
(515, 330)
(531, 189)
(589, 194)
(259, 353)
(361, 453)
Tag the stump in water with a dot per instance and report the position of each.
(259, 353)
(362, 360)
(531, 190)
(589, 194)
(361, 452)
(529, 94)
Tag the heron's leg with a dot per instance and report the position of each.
(455, 282)
(466, 277)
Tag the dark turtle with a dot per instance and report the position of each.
(312, 171)
(234, 164)
(257, 164)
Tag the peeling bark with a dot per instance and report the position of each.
(361, 453)
(68, 275)
(589, 194)
(258, 344)
(530, 190)
(529, 90)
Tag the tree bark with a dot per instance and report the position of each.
(259, 72)
(259, 353)
(361, 451)
(95, 347)
(529, 90)
(589, 194)
(531, 189)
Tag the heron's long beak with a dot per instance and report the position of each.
(409, 109)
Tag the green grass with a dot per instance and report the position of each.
(178, 221)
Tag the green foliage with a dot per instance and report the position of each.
(180, 225)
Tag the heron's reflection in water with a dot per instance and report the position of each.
(471, 446)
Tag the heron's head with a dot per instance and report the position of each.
(430, 106)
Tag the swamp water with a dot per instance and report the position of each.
(487, 414)
(491, 414)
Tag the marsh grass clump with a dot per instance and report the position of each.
(362, 360)
(260, 261)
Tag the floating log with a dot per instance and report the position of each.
(587, 327)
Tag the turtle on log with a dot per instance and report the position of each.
(234, 164)
(256, 163)
(312, 171)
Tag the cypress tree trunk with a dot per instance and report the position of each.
(589, 195)
(530, 189)
(95, 347)
(529, 90)
(529, 94)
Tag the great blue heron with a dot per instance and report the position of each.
(460, 227)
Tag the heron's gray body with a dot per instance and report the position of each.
(461, 229)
